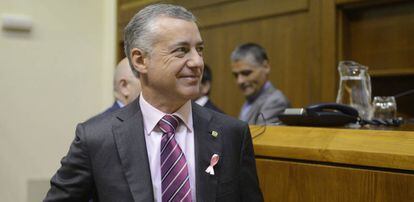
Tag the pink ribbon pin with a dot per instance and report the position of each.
(214, 160)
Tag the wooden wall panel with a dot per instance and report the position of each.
(292, 181)
(236, 12)
(215, 12)
(382, 37)
(329, 51)
(193, 5)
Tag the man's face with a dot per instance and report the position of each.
(250, 77)
(175, 64)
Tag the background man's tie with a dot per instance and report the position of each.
(175, 182)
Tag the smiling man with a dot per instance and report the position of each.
(158, 147)
(250, 67)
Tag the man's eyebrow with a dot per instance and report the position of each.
(185, 43)
(181, 43)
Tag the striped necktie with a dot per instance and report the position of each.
(175, 182)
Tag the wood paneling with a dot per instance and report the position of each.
(236, 12)
(381, 36)
(194, 5)
(359, 3)
(329, 164)
(222, 11)
(328, 45)
(391, 72)
(292, 181)
(387, 149)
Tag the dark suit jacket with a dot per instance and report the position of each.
(212, 106)
(108, 159)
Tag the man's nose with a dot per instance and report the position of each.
(195, 60)
(240, 79)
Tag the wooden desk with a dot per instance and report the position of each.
(323, 164)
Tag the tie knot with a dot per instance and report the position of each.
(168, 123)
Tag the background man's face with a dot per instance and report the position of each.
(175, 64)
(250, 77)
(134, 88)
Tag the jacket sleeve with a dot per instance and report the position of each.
(249, 183)
(73, 180)
(273, 106)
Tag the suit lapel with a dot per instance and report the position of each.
(205, 146)
(130, 142)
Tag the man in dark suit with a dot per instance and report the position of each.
(126, 86)
(250, 67)
(161, 147)
(205, 87)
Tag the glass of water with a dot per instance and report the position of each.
(385, 107)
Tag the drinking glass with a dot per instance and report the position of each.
(385, 107)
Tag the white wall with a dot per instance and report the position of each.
(51, 78)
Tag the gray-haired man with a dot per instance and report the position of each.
(159, 147)
(250, 67)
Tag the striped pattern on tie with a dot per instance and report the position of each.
(175, 182)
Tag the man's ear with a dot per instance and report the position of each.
(138, 60)
(266, 65)
(123, 87)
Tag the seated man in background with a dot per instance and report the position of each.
(250, 67)
(126, 86)
(205, 86)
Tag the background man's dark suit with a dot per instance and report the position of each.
(108, 158)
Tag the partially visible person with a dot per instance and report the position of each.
(126, 86)
(205, 87)
(161, 147)
(250, 67)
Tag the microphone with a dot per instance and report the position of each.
(261, 128)
(408, 92)
(405, 93)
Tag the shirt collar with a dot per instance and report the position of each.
(152, 115)
(202, 100)
(120, 104)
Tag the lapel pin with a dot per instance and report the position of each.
(214, 133)
(214, 160)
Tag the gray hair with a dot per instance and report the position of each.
(139, 31)
(249, 51)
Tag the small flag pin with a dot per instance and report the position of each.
(214, 133)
